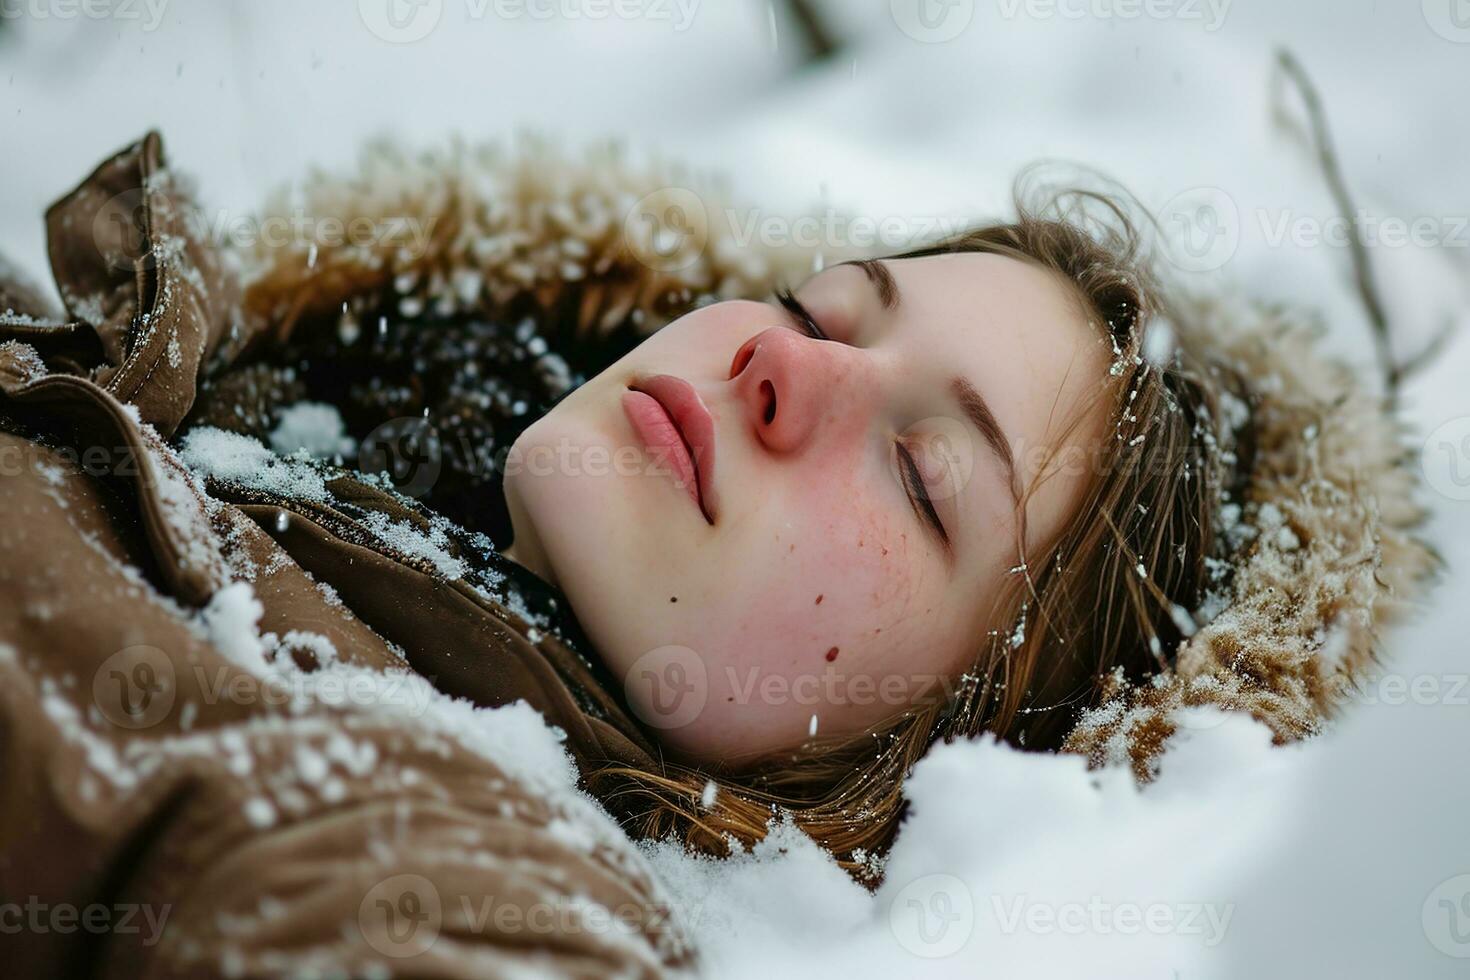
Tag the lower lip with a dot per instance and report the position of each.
(661, 437)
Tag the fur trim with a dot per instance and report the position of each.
(478, 229)
(1323, 550)
(1323, 553)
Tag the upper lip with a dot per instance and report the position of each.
(696, 427)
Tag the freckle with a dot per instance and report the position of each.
(878, 630)
(792, 548)
(860, 542)
(885, 551)
(673, 598)
(831, 654)
(819, 600)
(730, 698)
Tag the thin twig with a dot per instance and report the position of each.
(1430, 352)
(1393, 373)
(820, 41)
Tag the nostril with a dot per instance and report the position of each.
(742, 357)
(769, 391)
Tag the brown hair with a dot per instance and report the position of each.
(1103, 596)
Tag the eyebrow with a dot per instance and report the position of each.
(881, 279)
(978, 411)
(972, 403)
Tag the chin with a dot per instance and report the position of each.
(711, 746)
(589, 527)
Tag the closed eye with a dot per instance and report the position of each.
(918, 493)
(913, 481)
(804, 320)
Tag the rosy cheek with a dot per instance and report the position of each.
(848, 579)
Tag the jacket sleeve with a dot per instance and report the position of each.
(169, 812)
(209, 766)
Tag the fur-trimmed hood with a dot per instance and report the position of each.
(1322, 539)
(1322, 550)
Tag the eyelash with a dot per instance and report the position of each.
(917, 493)
(801, 315)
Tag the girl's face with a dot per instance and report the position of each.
(765, 532)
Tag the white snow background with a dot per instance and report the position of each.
(1345, 857)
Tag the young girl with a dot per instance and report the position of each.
(776, 547)
(936, 494)
(982, 486)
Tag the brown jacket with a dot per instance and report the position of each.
(190, 793)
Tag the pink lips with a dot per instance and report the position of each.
(673, 423)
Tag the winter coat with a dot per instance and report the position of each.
(221, 755)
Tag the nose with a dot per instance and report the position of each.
(791, 386)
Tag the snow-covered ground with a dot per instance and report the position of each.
(1345, 857)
